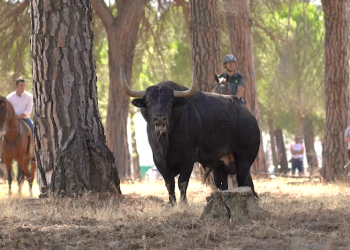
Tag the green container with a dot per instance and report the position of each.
(144, 169)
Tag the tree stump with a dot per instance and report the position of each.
(234, 205)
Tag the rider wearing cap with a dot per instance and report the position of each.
(235, 79)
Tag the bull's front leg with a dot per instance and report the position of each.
(183, 190)
(184, 178)
(170, 185)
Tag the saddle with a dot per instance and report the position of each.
(30, 150)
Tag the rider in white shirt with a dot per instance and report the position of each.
(297, 151)
(22, 102)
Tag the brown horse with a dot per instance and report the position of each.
(15, 145)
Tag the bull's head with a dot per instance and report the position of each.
(159, 102)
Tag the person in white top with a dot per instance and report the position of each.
(347, 138)
(22, 102)
(297, 151)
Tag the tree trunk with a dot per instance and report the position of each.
(135, 153)
(71, 152)
(122, 37)
(336, 14)
(273, 142)
(239, 23)
(204, 28)
(300, 119)
(309, 139)
(282, 157)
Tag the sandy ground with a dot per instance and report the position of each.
(302, 217)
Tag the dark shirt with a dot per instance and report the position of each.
(235, 80)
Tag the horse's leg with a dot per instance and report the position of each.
(22, 170)
(8, 163)
(32, 176)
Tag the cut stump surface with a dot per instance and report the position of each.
(234, 205)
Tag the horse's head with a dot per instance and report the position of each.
(3, 111)
(222, 85)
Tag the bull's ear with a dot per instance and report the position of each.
(140, 103)
(179, 102)
(216, 78)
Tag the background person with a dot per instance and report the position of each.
(297, 150)
(22, 102)
(235, 79)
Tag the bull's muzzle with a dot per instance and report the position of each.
(160, 123)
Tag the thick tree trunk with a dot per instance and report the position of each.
(281, 149)
(300, 119)
(336, 14)
(135, 153)
(71, 152)
(309, 139)
(122, 37)
(239, 23)
(273, 142)
(204, 28)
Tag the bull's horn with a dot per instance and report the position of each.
(126, 88)
(191, 90)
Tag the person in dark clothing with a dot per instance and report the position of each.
(235, 79)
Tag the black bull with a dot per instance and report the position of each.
(203, 127)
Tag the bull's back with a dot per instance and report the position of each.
(226, 125)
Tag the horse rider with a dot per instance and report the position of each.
(235, 79)
(22, 102)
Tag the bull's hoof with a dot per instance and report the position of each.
(170, 205)
(43, 196)
(183, 202)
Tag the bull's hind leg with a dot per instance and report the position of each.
(243, 172)
(220, 177)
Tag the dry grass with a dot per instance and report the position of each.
(302, 217)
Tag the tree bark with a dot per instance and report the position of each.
(71, 152)
(273, 142)
(299, 119)
(204, 29)
(281, 149)
(309, 139)
(239, 23)
(336, 14)
(122, 38)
